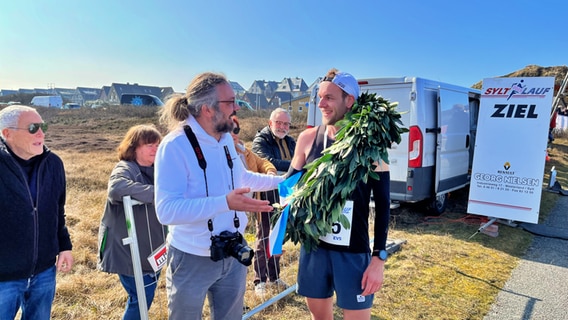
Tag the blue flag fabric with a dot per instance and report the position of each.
(286, 187)
(276, 238)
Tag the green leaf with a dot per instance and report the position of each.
(365, 133)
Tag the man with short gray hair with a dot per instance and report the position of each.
(272, 143)
(35, 243)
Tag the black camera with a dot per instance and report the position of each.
(230, 244)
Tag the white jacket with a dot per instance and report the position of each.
(181, 199)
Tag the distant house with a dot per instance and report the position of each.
(67, 94)
(261, 95)
(44, 91)
(118, 89)
(300, 103)
(296, 86)
(280, 99)
(260, 92)
(239, 90)
(290, 103)
(6, 92)
(83, 94)
(265, 88)
(257, 101)
(104, 93)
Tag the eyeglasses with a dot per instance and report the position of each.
(282, 123)
(33, 127)
(236, 130)
(232, 102)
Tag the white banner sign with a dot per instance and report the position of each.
(510, 148)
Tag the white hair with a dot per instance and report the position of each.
(10, 115)
(278, 111)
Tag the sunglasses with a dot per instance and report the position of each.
(34, 127)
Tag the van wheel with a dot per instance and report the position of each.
(437, 205)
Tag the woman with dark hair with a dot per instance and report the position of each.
(133, 175)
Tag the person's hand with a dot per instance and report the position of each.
(64, 261)
(373, 277)
(237, 200)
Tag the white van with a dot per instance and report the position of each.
(47, 101)
(435, 156)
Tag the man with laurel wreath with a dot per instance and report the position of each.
(346, 266)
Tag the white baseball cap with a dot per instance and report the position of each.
(346, 82)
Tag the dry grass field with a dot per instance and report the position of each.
(440, 273)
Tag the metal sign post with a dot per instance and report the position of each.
(132, 240)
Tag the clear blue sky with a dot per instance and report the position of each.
(71, 43)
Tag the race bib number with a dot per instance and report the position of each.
(340, 236)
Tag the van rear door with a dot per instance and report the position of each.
(396, 90)
(453, 140)
(314, 113)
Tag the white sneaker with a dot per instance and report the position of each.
(260, 289)
(280, 284)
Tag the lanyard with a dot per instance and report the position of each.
(203, 165)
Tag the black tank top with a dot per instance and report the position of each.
(359, 241)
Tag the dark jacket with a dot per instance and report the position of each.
(266, 146)
(115, 257)
(32, 233)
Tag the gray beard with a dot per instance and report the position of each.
(220, 125)
(277, 135)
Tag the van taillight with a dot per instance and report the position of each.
(415, 143)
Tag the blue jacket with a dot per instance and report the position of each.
(31, 233)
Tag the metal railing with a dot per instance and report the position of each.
(132, 241)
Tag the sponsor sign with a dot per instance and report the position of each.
(510, 148)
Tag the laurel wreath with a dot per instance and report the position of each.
(365, 134)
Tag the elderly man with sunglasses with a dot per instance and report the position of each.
(34, 241)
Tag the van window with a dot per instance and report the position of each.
(71, 106)
(140, 100)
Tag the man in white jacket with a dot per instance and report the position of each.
(201, 189)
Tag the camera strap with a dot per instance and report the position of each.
(198, 153)
(203, 165)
